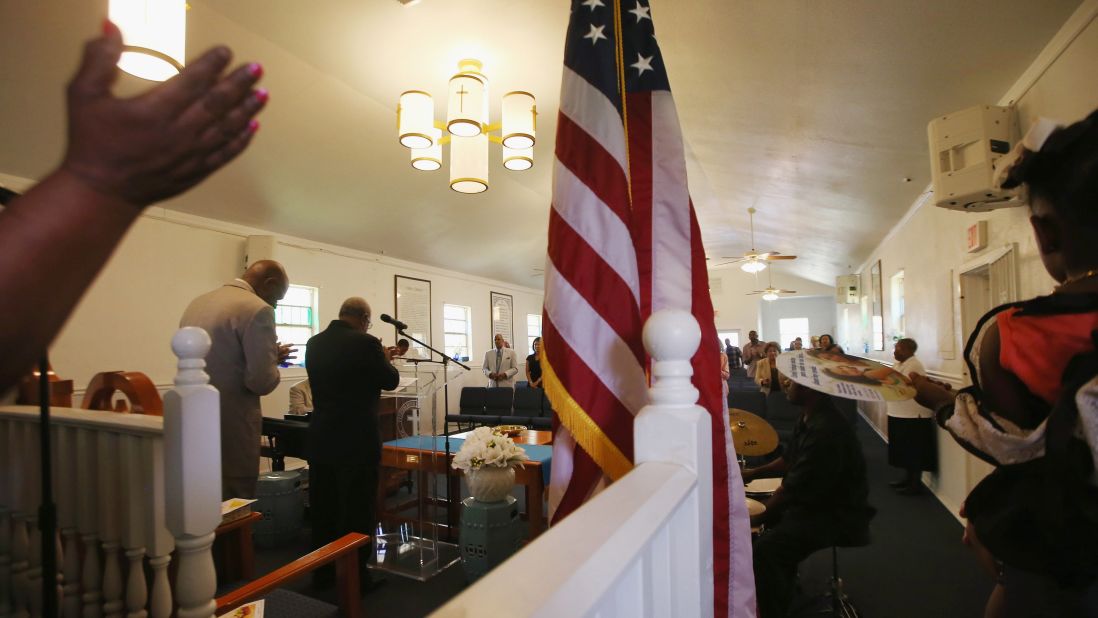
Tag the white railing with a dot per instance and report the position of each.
(115, 501)
(643, 546)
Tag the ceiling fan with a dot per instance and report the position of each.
(771, 292)
(755, 261)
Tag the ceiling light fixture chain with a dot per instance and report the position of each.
(467, 129)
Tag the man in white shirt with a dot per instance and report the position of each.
(500, 364)
(911, 440)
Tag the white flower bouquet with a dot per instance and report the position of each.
(484, 448)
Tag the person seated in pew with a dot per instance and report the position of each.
(121, 155)
(301, 398)
(822, 501)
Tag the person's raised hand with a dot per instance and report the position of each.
(285, 353)
(158, 144)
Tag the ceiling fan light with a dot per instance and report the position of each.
(467, 107)
(519, 118)
(154, 33)
(753, 266)
(416, 120)
(770, 296)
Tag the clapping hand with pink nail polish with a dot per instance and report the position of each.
(158, 144)
(122, 154)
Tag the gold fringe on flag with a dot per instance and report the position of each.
(584, 430)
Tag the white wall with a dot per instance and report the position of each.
(736, 310)
(820, 311)
(126, 320)
(929, 244)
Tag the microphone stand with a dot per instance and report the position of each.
(446, 360)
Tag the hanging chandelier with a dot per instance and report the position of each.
(467, 129)
(154, 33)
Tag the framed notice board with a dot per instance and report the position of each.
(413, 307)
(503, 309)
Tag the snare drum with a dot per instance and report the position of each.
(754, 507)
(763, 487)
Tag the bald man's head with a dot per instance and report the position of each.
(356, 312)
(268, 279)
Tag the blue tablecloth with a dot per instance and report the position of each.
(541, 453)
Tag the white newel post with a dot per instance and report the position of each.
(673, 428)
(192, 473)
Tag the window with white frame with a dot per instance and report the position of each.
(899, 326)
(791, 328)
(295, 320)
(533, 330)
(457, 331)
(733, 337)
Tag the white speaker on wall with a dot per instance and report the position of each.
(847, 288)
(964, 147)
(259, 248)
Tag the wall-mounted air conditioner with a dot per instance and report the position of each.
(964, 147)
(846, 289)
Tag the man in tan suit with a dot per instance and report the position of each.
(242, 363)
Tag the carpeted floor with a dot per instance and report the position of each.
(915, 567)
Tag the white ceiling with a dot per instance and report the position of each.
(813, 112)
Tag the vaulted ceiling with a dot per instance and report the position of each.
(812, 112)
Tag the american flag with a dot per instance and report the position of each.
(624, 242)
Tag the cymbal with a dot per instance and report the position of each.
(751, 434)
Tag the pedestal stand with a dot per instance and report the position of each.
(490, 533)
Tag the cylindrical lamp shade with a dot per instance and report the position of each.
(467, 108)
(154, 33)
(519, 120)
(518, 160)
(429, 159)
(469, 163)
(416, 120)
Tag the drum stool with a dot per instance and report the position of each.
(835, 597)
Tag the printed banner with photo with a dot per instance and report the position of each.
(845, 376)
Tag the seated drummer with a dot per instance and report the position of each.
(822, 499)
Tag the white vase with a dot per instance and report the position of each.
(491, 484)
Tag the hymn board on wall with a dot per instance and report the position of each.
(503, 306)
(413, 307)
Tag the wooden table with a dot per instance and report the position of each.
(533, 436)
(425, 461)
(234, 554)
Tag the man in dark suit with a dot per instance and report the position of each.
(347, 369)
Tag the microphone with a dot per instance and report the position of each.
(397, 323)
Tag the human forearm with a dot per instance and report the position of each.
(772, 469)
(53, 242)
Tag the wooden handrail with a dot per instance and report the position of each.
(343, 551)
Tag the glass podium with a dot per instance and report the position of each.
(410, 540)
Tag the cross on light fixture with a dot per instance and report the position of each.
(467, 129)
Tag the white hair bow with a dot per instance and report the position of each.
(1033, 141)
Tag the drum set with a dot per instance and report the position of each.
(752, 436)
